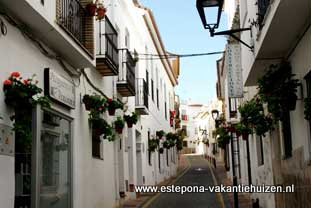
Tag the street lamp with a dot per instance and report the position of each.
(215, 114)
(203, 5)
(210, 4)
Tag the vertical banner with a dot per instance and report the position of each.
(234, 70)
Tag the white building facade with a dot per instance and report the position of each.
(73, 54)
(279, 31)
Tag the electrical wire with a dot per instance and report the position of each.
(168, 56)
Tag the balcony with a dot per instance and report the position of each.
(107, 54)
(290, 17)
(184, 117)
(62, 25)
(141, 96)
(126, 78)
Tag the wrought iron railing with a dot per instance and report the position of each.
(108, 41)
(127, 72)
(141, 92)
(262, 9)
(72, 17)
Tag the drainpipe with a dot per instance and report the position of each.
(248, 163)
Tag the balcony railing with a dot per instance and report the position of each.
(262, 9)
(107, 57)
(184, 117)
(142, 95)
(126, 78)
(71, 16)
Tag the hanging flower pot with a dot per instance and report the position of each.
(131, 119)
(113, 105)
(118, 130)
(245, 136)
(111, 111)
(289, 103)
(129, 124)
(91, 9)
(101, 12)
(119, 125)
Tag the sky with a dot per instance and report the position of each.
(182, 33)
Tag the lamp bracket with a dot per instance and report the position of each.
(232, 34)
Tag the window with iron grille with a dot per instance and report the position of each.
(287, 134)
(308, 83)
(149, 153)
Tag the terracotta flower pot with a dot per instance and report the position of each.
(101, 13)
(87, 107)
(244, 136)
(111, 111)
(119, 130)
(91, 9)
(129, 124)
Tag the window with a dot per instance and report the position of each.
(152, 90)
(287, 134)
(149, 153)
(185, 144)
(308, 82)
(259, 147)
(147, 80)
(96, 145)
(233, 107)
(159, 160)
(55, 161)
(167, 161)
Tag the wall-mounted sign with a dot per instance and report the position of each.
(59, 89)
(234, 70)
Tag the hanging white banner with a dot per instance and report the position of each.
(234, 70)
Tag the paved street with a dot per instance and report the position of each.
(199, 174)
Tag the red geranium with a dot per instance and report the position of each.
(7, 82)
(109, 100)
(15, 74)
(26, 82)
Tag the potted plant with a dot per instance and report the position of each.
(23, 95)
(91, 9)
(179, 144)
(94, 102)
(152, 145)
(160, 134)
(223, 137)
(113, 105)
(101, 12)
(101, 127)
(278, 89)
(161, 150)
(166, 144)
(307, 110)
(119, 125)
(243, 130)
(131, 119)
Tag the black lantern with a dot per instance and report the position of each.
(215, 114)
(203, 4)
